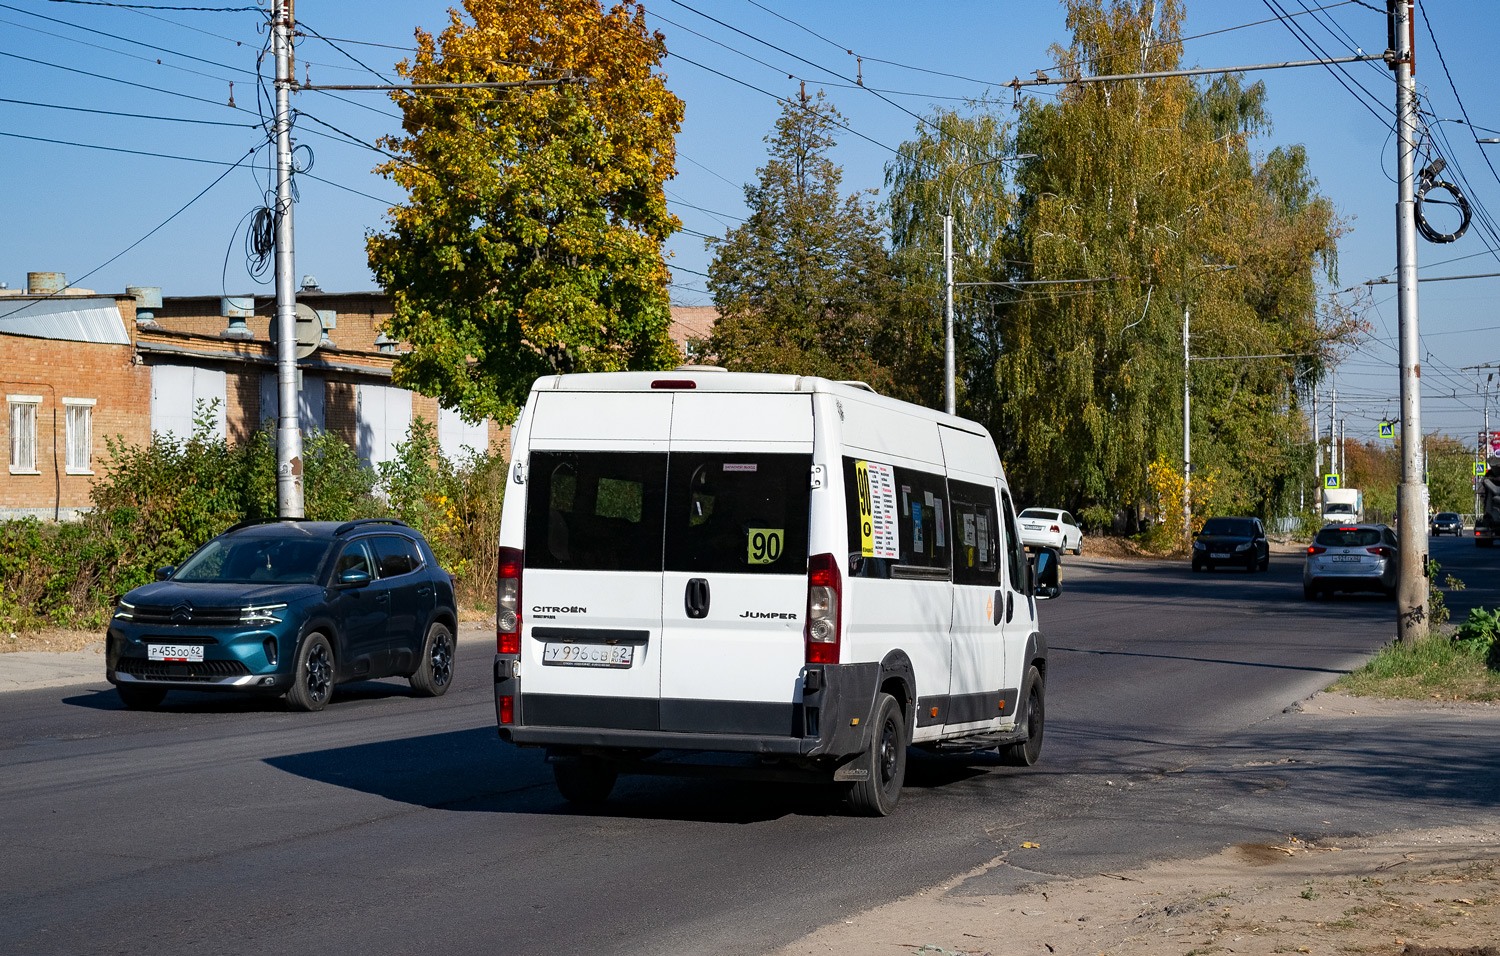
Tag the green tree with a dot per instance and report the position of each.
(956, 163)
(805, 285)
(530, 241)
(1143, 198)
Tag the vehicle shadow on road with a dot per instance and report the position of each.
(188, 701)
(472, 771)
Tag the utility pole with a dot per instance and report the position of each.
(1317, 456)
(288, 424)
(1187, 430)
(950, 369)
(1411, 590)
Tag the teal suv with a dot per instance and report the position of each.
(288, 607)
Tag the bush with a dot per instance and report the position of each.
(1097, 518)
(161, 501)
(1480, 636)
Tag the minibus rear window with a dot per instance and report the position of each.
(595, 511)
(736, 512)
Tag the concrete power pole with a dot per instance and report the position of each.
(1317, 457)
(950, 364)
(1411, 591)
(1187, 431)
(288, 425)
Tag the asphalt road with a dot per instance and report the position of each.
(388, 824)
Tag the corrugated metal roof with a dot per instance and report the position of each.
(70, 319)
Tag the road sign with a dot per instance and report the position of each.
(1330, 481)
(309, 330)
(1480, 468)
(1387, 429)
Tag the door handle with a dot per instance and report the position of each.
(384, 597)
(1010, 606)
(696, 598)
(999, 607)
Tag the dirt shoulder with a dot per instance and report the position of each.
(1426, 892)
(1430, 891)
(1113, 548)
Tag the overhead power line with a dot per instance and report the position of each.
(147, 6)
(1195, 71)
(145, 116)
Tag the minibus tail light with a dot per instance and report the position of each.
(824, 607)
(508, 602)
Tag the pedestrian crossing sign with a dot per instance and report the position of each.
(1330, 481)
(1387, 429)
(1480, 468)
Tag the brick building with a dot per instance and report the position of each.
(76, 366)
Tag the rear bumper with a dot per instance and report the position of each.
(830, 720)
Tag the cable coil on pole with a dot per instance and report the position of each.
(1430, 182)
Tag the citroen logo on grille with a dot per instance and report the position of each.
(182, 612)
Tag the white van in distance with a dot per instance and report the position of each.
(787, 566)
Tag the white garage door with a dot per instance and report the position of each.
(383, 417)
(457, 438)
(310, 402)
(176, 391)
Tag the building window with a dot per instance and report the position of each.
(23, 433)
(80, 435)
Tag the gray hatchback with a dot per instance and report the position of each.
(1359, 557)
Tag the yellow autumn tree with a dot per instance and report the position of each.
(530, 241)
(1164, 482)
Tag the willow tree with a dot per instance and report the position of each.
(530, 241)
(1147, 197)
(805, 285)
(957, 164)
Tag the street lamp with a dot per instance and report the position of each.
(950, 369)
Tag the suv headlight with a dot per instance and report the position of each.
(261, 614)
(1199, 546)
(124, 611)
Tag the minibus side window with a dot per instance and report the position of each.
(976, 534)
(738, 512)
(897, 521)
(595, 511)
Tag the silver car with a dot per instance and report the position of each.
(1351, 557)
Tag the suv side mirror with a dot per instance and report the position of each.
(1045, 567)
(163, 573)
(354, 579)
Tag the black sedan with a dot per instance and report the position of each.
(1447, 522)
(1233, 542)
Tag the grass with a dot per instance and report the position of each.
(1434, 667)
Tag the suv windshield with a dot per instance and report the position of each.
(1347, 537)
(1237, 527)
(1447, 516)
(242, 560)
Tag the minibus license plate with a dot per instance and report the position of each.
(588, 655)
(174, 652)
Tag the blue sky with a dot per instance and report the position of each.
(69, 208)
